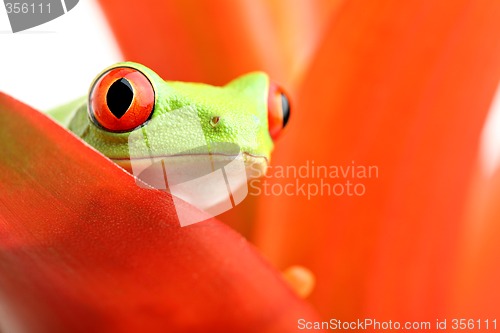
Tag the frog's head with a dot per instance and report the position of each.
(181, 120)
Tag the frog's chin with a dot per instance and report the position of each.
(190, 166)
(212, 183)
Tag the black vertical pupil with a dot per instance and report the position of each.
(285, 106)
(119, 97)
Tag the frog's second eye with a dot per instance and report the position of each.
(121, 99)
(278, 110)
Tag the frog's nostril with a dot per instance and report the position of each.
(214, 121)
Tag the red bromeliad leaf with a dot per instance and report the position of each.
(404, 86)
(214, 41)
(83, 249)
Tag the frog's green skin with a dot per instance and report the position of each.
(240, 104)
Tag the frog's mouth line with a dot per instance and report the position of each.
(255, 165)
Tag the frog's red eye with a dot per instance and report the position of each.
(121, 100)
(278, 110)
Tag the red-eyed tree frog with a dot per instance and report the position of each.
(249, 112)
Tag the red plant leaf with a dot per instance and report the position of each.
(404, 86)
(83, 249)
(214, 41)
